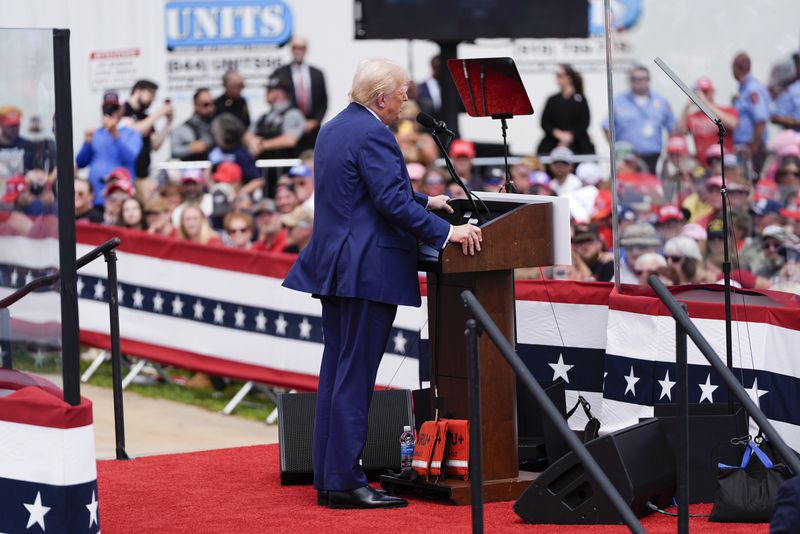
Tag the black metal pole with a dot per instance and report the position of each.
(552, 413)
(508, 185)
(682, 370)
(726, 260)
(70, 338)
(116, 356)
(475, 445)
(727, 376)
(451, 101)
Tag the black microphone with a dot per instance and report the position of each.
(432, 124)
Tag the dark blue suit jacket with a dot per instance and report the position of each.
(786, 512)
(367, 219)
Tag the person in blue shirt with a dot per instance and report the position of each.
(642, 117)
(786, 103)
(109, 147)
(752, 102)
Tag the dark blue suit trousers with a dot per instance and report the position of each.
(356, 332)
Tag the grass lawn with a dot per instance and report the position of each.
(255, 405)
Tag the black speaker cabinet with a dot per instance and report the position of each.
(637, 460)
(540, 444)
(389, 412)
(711, 429)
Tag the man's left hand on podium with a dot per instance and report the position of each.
(439, 202)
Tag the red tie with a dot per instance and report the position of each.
(302, 100)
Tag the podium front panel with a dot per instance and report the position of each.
(449, 363)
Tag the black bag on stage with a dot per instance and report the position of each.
(746, 493)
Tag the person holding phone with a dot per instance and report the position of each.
(108, 147)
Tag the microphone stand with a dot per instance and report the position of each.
(726, 259)
(454, 175)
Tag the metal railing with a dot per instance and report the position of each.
(290, 162)
(685, 327)
(108, 250)
(475, 327)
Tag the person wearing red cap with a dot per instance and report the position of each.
(703, 131)
(16, 152)
(678, 171)
(668, 220)
(463, 152)
(115, 194)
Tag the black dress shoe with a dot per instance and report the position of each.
(322, 496)
(364, 497)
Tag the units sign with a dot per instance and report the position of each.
(227, 23)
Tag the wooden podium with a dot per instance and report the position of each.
(520, 237)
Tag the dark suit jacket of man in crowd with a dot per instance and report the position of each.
(318, 105)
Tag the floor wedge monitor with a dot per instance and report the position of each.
(638, 461)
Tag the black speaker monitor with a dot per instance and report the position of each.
(637, 460)
(540, 443)
(389, 412)
(711, 429)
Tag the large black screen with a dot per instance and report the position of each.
(463, 20)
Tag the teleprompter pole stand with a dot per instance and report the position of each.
(508, 186)
(726, 258)
(116, 356)
(726, 262)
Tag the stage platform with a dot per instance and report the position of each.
(238, 490)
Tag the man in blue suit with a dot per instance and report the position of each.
(361, 262)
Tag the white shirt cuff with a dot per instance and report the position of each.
(450, 233)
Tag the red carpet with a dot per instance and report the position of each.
(238, 491)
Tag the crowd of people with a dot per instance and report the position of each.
(669, 171)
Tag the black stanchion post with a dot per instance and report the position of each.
(116, 356)
(475, 448)
(70, 336)
(682, 369)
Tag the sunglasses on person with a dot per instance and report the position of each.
(674, 259)
(771, 245)
(206, 104)
(238, 230)
(788, 172)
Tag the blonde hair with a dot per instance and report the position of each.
(376, 76)
(206, 233)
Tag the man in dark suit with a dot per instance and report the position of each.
(308, 92)
(361, 262)
(429, 92)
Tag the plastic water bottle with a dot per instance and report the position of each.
(407, 442)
